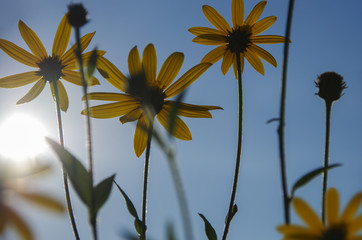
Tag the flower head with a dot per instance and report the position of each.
(241, 38)
(340, 226)
(330, 85)
(146, 93)
(61, 64)
(77, 15)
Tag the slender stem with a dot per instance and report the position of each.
(93, 217)
(286, 198)
(238, 154)
(326, 157)
(145, 179)
(65, 175)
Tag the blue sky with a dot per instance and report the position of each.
(326, 36)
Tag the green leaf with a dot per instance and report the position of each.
(78, 175)
(138, 226)
(101, 192)
(131, 209)
(170, 232)
(209, 230)
(310, 176)
(233, 212)
(173, 113)
(92, 63)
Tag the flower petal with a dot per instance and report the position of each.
(205, 30)
(190, 110)
(185, 80)
(294, 230)
(267, 39)
(235, 66)
(263, 54)
(18, 80)
(32, 40)
(332, 206)
(255, 13)
(169, 70)
(180, 131)
(18, 53)
(69, 56)
(20, 225)
(72, 64)
(352, 207)
(105, 96)
(214, 55)
(43, 201)
(306, 213)
(61, 38)
(216, 19)
(63, 96)
(112, 110)
(263, 25)
(227, 61)
(75, 78)
(149, 60)
(112, 74)
(210, 39)
(134, 62)
(33, 92)
(355, 226)
(131, 116)
(140, 136)
(237, 12)
(254, 61)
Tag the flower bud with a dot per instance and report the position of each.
(77, 15)
(330, 86)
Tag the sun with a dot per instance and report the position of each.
(21, 137)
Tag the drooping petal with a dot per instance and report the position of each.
(69, 56)
(255, 61)
(263, 25)
(140, 136)
(112, 110)
(112, 74)
(134, 62)
(306, 213)
(72, 64)
(255, 13)
(185, 80)
(43, 201)
(18, 80)
(210, 39)
(205, 30)
(32, 40)
(190, 110)
(267, 39)
(75, 78)
(216, 19)
(355, 226)
(235, 66)
(131, 116)
(290, 230)
(237, 12)
(105, 96)
(18, 53)
(180, 131)
(228, 59)
(214, 55)
(20, 225)
(169, 70)
(332, 206)
(33, 92)
(63, 96)
(61, 38)
(149, 60)
(263, 54)
(352, 207)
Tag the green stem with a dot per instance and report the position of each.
(145, 179)
(65, 175)
(326, 157)
(286, 198)
(238, 154)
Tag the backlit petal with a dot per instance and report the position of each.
(69, 56)
(105, 96)
(227, 61)
(190, 110)
(255, 13)
(33, 92)
(131, 116)
(216, 19)
(140, 136)
(254, 61)
(32, 40)
(112, 110)
(75, 78)
(352, 207)
(237, 12)
(63, 96)
(210, 39)
(18, 53)
(205, 30)
(290, 230)
(43, 201)
(306, 213)
(215, 55)
(72, 64)
(61, 38)
(20, 225)
(332, 206)
(169, 70)
(149, 60)
(112, 74)
(263, 25)
(18, 80)
(263, 54)
(355, 226)
(267, 39)
(180, 131)
(185, 80)
(134, 62)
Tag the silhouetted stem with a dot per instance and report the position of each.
(286, 198)
(326, 157)
(238, 152)
(145, 179)
(65, 175)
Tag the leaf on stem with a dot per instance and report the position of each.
(101, 192)
(233, 212)
(209, 230)
(92, 63)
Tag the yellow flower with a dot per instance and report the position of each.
(342, 226)
(241, 38)
(150, 90)
(61, 64)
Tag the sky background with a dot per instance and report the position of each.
(326, 36)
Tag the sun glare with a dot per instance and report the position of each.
(21, 137)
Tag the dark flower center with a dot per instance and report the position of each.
(156, 98)
(50, 69)
(238, 39)
(330, 86)
(336, 232)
